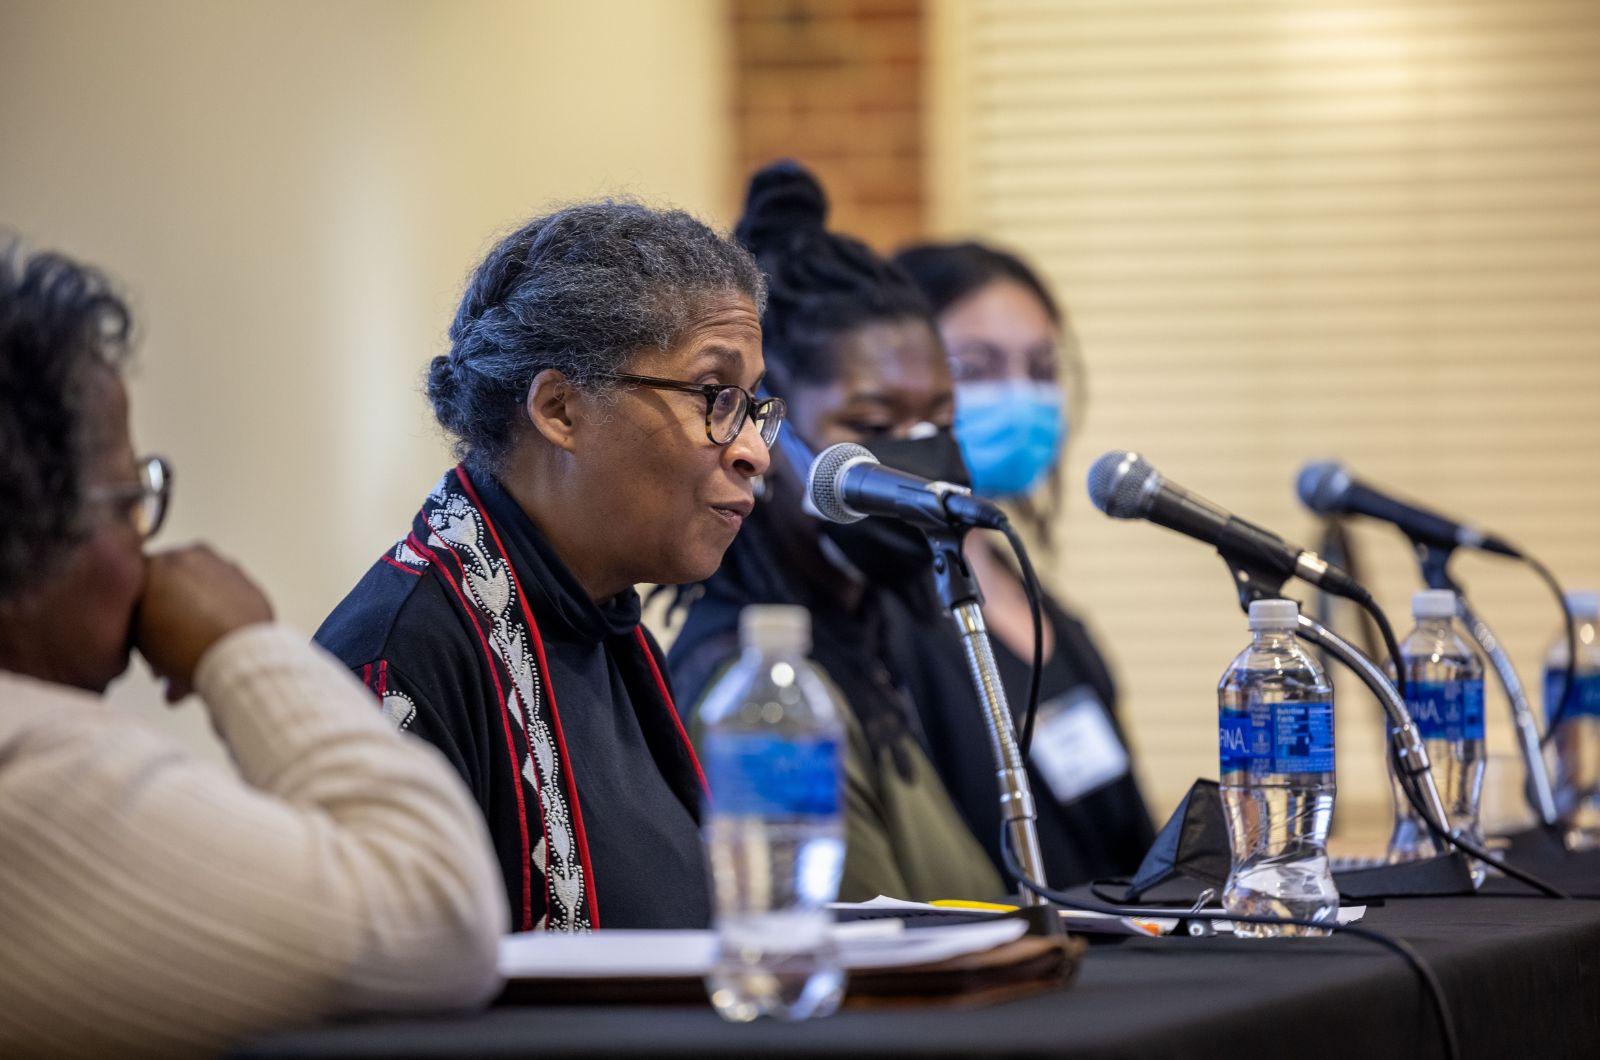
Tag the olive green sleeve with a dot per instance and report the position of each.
(869, 854)
(903, 835)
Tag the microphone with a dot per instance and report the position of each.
(1125, 486)
(846, 484)
(1328, 488)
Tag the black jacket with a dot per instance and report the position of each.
(552, 708)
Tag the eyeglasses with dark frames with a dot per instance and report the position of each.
(146, 500)
(727, 407)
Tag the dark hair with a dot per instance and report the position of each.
(948, 272)
(820, 284)
(59, 321)
(580, 290)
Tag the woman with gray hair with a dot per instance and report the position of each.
(600, 386)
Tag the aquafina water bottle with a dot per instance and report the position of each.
(1275, 733)
(1444, 695)
(771, 741)
(1577, 735)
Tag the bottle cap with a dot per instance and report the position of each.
(1433, 603)
(1274, 614)
(775, 627)
(1583, 603)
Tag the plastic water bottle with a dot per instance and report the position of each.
(1444, 693)
(771, 743)
(1275, 733)
(1577, 737)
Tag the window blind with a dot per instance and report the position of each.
(1286, 231)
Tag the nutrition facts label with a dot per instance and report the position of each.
(1277, 738)
(1303, 738)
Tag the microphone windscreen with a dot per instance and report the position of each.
(1117, 481)
(1322, 485)
(824, 487)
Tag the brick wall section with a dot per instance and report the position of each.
(836, 84)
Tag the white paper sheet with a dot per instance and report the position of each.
(689, 954)
(888, 904)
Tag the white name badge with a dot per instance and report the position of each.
(1075, 746)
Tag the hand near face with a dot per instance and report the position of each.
(192, 599)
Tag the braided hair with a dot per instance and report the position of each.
(821, 285)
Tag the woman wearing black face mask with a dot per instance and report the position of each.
(850, 345)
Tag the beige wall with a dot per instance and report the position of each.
(292, 192)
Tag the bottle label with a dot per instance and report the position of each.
(1446, 710)
(1585, 699)
(772, 776)
(1277, 738)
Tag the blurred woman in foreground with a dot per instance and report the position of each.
(1016, 366)
(156, 903)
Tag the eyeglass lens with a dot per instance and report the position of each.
(147, 515)
(770, 421)
(727, 414)
(151, 511)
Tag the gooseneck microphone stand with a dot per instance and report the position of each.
(944, 513)
(960, 595)
(1411, 757)
(1537, 788)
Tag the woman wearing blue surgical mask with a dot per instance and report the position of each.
(1018, 380)
(850, 344)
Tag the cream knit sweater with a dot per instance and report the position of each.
(153, 902)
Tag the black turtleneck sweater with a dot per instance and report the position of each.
(640, 826)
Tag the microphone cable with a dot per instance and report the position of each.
(1335, 545)
(1030, 584)
(1408, 784)
(1430, 982)
(1569, 683)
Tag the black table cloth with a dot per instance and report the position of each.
(1522, 976)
